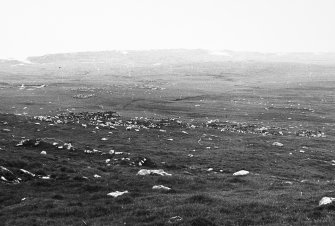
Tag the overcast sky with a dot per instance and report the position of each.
(37, 27)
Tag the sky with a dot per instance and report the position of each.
(38, 27)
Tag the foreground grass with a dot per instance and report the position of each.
(281, 189)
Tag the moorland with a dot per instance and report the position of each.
(76, 128)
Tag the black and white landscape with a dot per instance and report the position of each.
(179, 112)
(158, 138)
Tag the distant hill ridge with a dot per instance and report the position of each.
(145, 57)
(179, 56)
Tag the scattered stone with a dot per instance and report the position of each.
(241, 173)
(310, 133)
(68, 146)
(210, 169)
(27, 172)
(83, 96)
(174, 220)
(8, 176)
(117, 193)
(277, 144)
(97, 176)
(23, 142)
(161, 187)
(43, 152)
(145, 161)
(88, 151)
(91, 151)
(160, 172)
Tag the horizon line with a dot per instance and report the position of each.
(25, 57)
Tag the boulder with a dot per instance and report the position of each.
(278, 144)
(160, 172)
(161, 187)
(241, 173)
(117, 193)
(326, 201)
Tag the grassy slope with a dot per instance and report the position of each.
(282, 188)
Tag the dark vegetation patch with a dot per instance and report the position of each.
(204, 199)
(199, 221)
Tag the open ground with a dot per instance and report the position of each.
(74, 129)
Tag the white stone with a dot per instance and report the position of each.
(43, 152)
(117, 193)
(129, 128)
(241, 173)
(160, 187)
(326, 201)
(27, 172)
(68, 146)
(174, 220)
(277, 144)
(160, 172)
